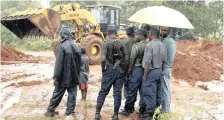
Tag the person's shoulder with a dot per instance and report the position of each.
(148, 45)
(168, 41)
(130, 38)
(122, 41)
(108, 41)
(76, 48)
(136, 43)
(86, 57)
(129, 41)
(135, 46)
(162, 44)
(159, 41)
(141, 43)
(144, 42)
(61, 46)
(75, 45)
(168, 38)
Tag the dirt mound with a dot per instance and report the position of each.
(11, 54)
(213, 48)
(198, 60)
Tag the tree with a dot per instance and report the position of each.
(216, 9)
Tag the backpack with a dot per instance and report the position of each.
(114, 52)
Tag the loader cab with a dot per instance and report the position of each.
(106, 15)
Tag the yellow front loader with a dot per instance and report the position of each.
(90, 25)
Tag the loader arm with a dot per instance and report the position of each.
(79, 14)
(80, 17)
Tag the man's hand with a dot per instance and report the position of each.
(126, 77)
(146, 71)
(55, 82)
(104, 67)
(129, 71)
(144, 77)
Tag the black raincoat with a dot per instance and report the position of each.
(68, 61)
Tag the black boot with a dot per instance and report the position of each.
(150, 116)
(132, 110)
(125, 112)
(142, 112)
(49, 114)
(97, 115)
(115, 116)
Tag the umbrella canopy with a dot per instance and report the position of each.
(161, 16)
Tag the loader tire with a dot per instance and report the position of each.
(93, 46)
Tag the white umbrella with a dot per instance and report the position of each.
(161, 16)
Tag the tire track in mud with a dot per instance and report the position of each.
(9, 97)
(16, 78)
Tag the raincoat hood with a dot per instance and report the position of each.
(65, 33)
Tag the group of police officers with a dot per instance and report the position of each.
(142, 62)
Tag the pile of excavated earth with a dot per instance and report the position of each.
(199, 60)
(10, 55)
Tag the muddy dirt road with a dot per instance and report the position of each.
(27, 87)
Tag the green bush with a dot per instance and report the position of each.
(32, 44)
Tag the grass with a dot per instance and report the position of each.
(211, 101)
(168, 116)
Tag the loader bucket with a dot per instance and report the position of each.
(43, 22)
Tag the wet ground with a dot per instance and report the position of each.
(26, 89)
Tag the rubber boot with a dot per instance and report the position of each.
(141, 113)
(115, 116)
(97, 115)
